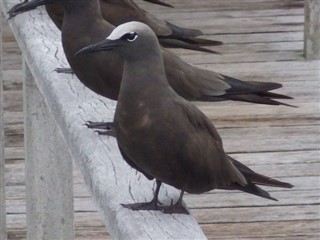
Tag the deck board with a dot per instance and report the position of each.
(263, 42)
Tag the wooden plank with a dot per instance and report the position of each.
(249, 25)
(257, 214)
(251, 57)
(109, 178)
(271, 139)
(48, 170)
(223, 200)
(245, 49)
(246, 115)
(14, 153)
(312, 29)
(81, 233)
(13, 101)
(11, 80)
(258, 37)
(81, 220)
(301, 229)
(279, 68)
(3, 234)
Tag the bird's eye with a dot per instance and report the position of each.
(130, 37)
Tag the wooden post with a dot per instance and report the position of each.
(49, 181)
(312, 29)
(2, 159)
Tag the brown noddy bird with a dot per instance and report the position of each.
(164, 136)
(83, 24)
(120, 11)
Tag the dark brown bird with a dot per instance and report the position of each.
(164, 136)
(120, 11)
(83, 24)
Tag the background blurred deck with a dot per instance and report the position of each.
(263, 42)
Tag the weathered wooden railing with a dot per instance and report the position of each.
(56, 107)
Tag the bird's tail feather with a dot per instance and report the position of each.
(253, 92)
(252, 189)
(178, 31)
(257, 178)
(253, 98)
(254, 179)
(274, 95)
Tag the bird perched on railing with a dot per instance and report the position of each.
(83, 24)
(120, 11)
(164, 136)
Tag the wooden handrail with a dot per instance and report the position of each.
(68, 104)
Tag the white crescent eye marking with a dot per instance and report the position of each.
(130, 37)
(133, 39)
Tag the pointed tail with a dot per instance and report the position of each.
(249, 91)
(254, 179)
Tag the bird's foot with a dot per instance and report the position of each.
(110, 133)
(153, 205)
(107, 126)
(100, 125)
(175, 208)
(64, 70)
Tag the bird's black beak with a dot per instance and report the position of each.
(160, 3)
(27, 6)
(104, 45)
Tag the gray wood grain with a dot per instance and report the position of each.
(109, 178)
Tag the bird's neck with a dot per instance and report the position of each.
(82, 25)
(144, 88)
(144, 76)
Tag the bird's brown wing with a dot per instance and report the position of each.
(200, 128)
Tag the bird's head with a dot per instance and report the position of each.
(28, 5)
(129, 40)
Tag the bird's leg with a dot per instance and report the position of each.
(176, 208)
(64, 70)
(107, 126)
(152, 205)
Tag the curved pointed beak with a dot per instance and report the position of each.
(104, 45)
(26, 6)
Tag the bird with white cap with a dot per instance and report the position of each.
(164, 136)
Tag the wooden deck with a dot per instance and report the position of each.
(263, 42)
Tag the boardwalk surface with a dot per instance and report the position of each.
(263, 42)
